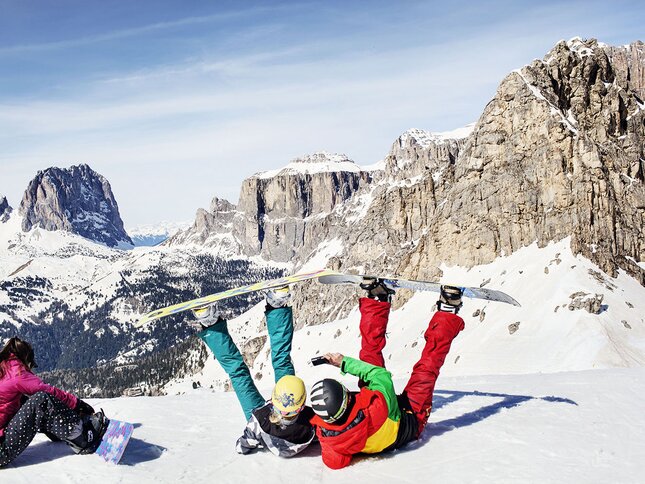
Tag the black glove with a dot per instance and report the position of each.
(83, 408)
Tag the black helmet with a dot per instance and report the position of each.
(329, 399)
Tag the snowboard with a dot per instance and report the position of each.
(207, 300)
(115, 440)
(395, 283)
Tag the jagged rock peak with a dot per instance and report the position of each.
(319, 162)
(221, 205)
(5, 209)
(427, 138)
(77, 200)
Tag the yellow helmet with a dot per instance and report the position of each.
(289, 396)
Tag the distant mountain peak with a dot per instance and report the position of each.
(311, 164)
(426, 138)
(5, 209)
(77, 200)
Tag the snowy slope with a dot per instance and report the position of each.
(566, 427)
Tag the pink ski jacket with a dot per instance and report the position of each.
(18, 381)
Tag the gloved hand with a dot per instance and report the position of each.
(83, 408)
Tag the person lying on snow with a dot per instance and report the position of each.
(281, 424)
(376, 419)
(28, 405)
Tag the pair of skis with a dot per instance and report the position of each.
(324, 276)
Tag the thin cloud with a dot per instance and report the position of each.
(132, 32)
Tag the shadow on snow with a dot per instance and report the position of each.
(443, 398)
(136, 452)
(446, 397)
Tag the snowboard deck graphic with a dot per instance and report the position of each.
(210, 299)
(115, 440)
(395, 283)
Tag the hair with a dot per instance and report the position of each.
(21, 350)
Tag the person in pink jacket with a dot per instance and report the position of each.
(28, 405)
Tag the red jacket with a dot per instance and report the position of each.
(18, 381)
(373, 422)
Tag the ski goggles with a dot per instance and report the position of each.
(288, 415)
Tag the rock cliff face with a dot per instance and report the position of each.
(558, 152)
(77, 200)
(5, 209)
(280, 214)
(213, 228)
(283, 210)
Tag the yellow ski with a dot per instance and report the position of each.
(206, 300)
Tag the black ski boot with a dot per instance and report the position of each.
(450, 299)
(376, 289)
(93, 430)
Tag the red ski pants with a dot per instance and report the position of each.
(442, 329)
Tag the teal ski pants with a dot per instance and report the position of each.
(218, 339)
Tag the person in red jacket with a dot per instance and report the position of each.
(376, 419)
(28, 405)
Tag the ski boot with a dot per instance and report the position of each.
(450, 299)
(205, 317)
(376, 289)
(278, 297)
(93, 428)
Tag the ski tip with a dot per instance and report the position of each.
(146, 318)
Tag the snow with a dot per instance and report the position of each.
(566, 427)
(321, 255)
(320, 162)
(640, 264)
(576, 45)
(552, 402)
(427, 138)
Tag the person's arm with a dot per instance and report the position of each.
(334, 460)
(251, 439)
(28, 384)
(376, 377)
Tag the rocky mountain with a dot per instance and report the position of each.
(559, 151)
(65, 289)
(280, 213)
(76, 200)
(5, 209)
(214, 228)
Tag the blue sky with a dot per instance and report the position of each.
(178, 101)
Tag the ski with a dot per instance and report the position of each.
(396, 283)
(210, 299)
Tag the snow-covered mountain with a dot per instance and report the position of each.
(573, 317)
(149, 235)
(77, 299)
